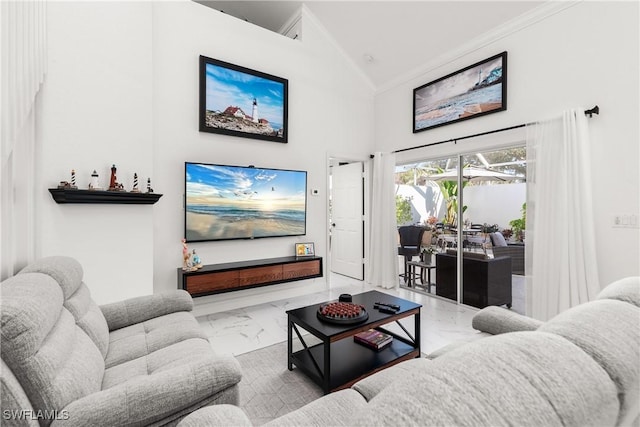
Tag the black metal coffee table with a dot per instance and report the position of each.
(338, 362)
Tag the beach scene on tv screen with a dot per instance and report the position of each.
(243, 102)
(230, 202)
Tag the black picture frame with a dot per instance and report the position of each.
(227, 90)
(474, 91)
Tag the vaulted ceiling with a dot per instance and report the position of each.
(387, 39)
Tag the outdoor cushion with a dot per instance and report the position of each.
(468, 254)
(497, 239)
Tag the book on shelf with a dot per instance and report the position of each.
(373, 339)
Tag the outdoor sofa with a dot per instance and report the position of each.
(500, 247)
(578, 369)
(487, 281)
(66, 361)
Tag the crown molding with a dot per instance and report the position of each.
(519, 23)
(291, 22)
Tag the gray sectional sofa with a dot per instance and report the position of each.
(581, 368)
(67, 361)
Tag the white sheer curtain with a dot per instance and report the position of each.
(383, 258)
(23, 59)
(561, 259)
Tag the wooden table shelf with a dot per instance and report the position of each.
(227, 277)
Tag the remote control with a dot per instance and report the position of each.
(389, 310)
(394, 306)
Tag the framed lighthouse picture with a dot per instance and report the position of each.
(238, 101)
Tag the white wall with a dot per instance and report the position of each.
(330, 108)
(122, 88)
(583, 55)
(486, 204)
(95, 111)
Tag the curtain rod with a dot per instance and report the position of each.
(590, 112)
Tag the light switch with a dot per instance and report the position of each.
(625, 221)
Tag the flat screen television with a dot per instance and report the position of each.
(224, 202)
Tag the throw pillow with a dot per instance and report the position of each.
(497, 239)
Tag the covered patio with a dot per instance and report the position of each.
(490, 231)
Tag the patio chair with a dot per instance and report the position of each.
(477, 239)
(516, 251)
(410, 242)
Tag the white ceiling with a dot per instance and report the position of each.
(399, 36)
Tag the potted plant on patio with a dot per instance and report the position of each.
(427, 253)
(518, 225)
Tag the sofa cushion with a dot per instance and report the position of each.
(544, 380)
(498, 320)
(55, 361)
(67, 272)
(456, 344)
(158, 361)
(627, 290)
(14, 399)
(335, 409)
(218, 415)
(370, 386)
(140, 309)
(608, 331)
(157, 398)
(144, 338)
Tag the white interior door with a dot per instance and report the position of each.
(347, 220)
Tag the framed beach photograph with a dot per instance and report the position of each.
(238, 101)
(474, 91)
(305, 249)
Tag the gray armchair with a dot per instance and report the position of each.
(139, 362)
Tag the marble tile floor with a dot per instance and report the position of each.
(243, 330)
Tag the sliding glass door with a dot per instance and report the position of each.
(472, 207)
(493, 196)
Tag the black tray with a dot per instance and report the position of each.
(342, 320)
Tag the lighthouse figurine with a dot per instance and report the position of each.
(135, 188)
(94, 184)
(73, 180)
(149, 189)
